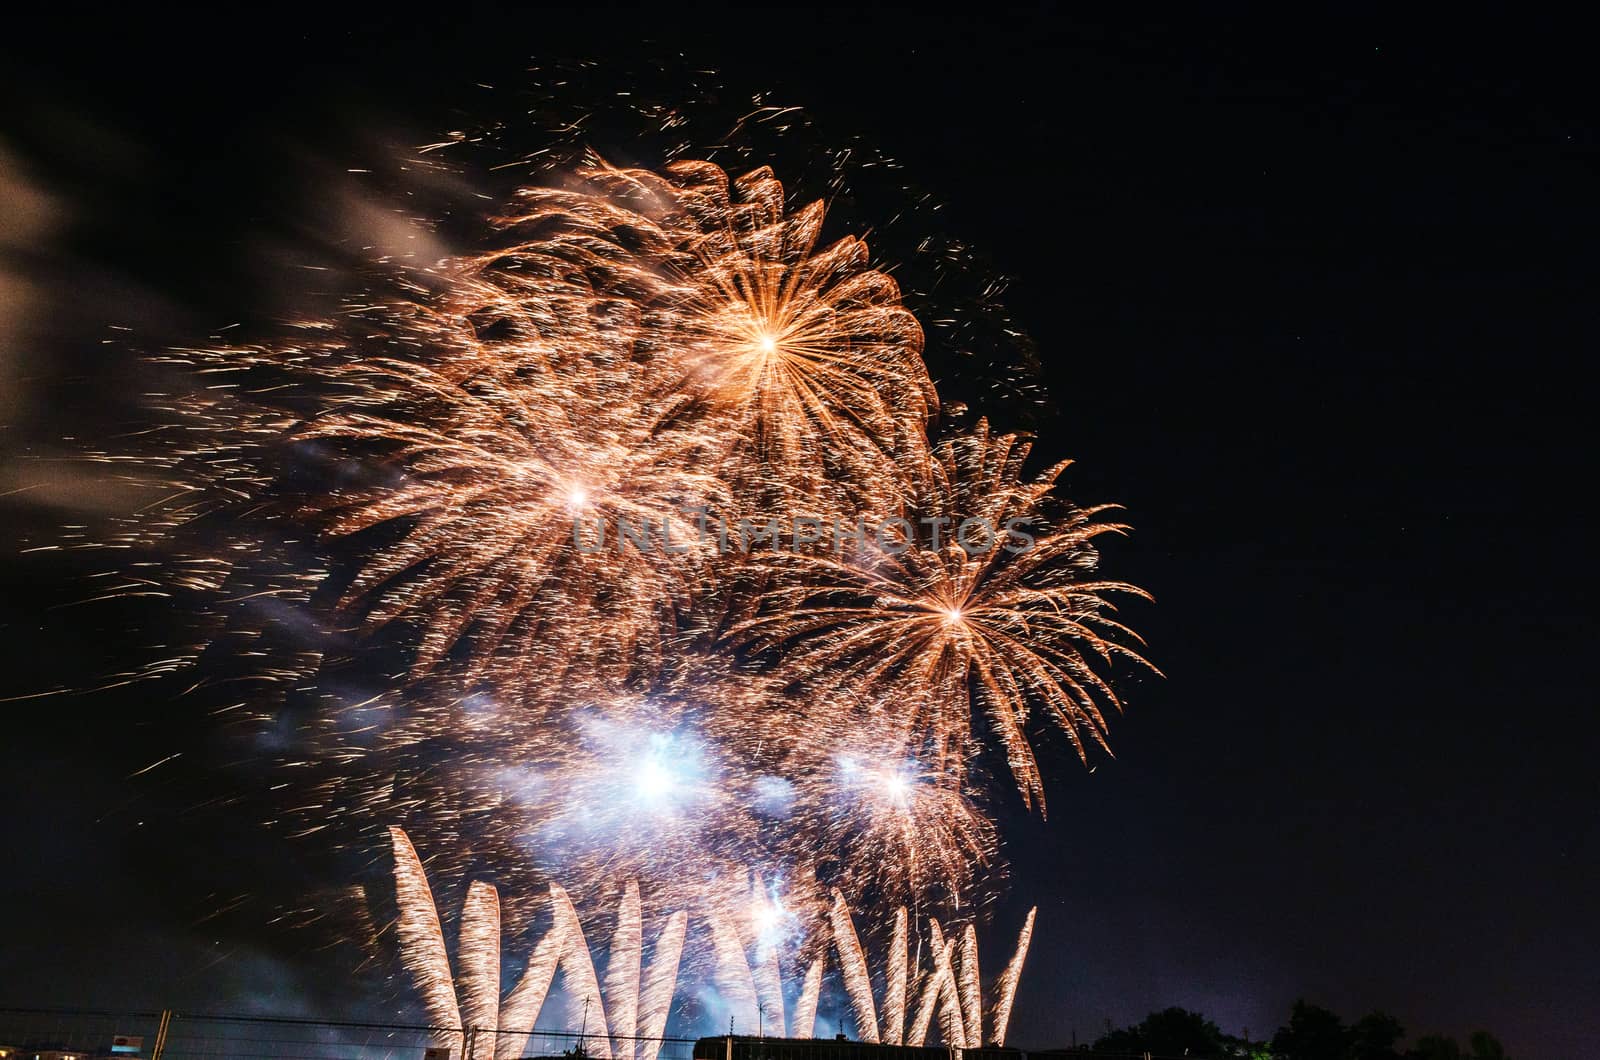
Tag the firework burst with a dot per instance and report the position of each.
(946, 618)
(506, 475)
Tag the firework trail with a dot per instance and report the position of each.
(853, 963)
(805, 1009)
(971, 990)
(735, 982)
(656, 1001)
(587, 1005)
(478, 954)
(623, 964)
(894, 999)
(1006, 988)
(951, 988)
(952, 1023)
(421, 936)
(520, 1009)
(469, 1004)
(932, 989)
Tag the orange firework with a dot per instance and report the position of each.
(650, 351)
(510, 471)
(505, 490)
(980, 600)
(802, 358)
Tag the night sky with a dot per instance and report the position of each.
(1312, 298)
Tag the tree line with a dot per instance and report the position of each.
(1312, 1033)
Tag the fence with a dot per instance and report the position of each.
(57, 1034)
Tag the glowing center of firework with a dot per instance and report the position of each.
(577, 497)
(666, 778)
(897, 787)
(763, 343)
(769, 922)
(772, 922)
(954, 616)
(654, 782)
(880, 787)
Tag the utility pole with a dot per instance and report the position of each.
(161, 1034)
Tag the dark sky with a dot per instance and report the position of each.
(1311, 295)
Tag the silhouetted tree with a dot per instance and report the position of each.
(1313, 1033)
(1170, 1032)
(1486, 1046)
(1480, 1046)
(1435, 1047)
(1376, 1036)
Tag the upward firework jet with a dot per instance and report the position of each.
(951, 986)
(468, 1008)
(648, 511)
